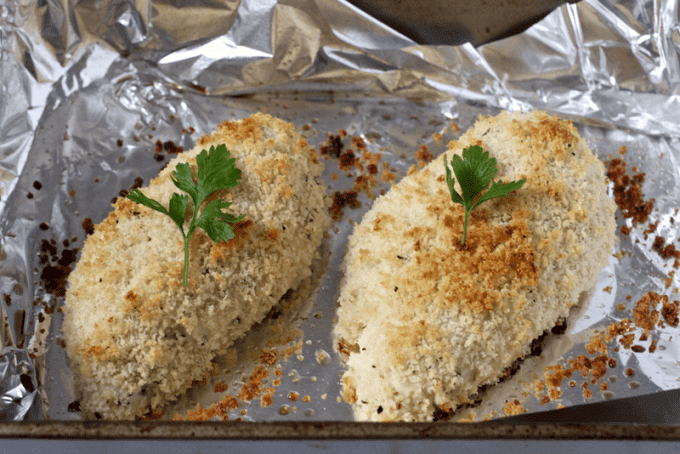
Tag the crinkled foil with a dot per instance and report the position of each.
(88, 90)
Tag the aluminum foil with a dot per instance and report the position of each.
(88, 90)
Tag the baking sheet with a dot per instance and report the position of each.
(88, 92)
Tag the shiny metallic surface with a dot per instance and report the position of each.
(86, 90)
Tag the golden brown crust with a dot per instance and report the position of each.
(136, 337)
(433, 321)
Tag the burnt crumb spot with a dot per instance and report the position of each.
(88, 226)
(440, 414)
(638, 348)
(559, 328)
(334, 147)
(347, 160)
(73, 407)
(27, 382)
(537, 345)
(8, 299)
(171, 148)
(54, 277)
(47, 250)
(29, 195)
(37, 185)
(119, 142)
(274, 313)
(380, 409)
(68, 257)
(44, 226)
(139, 181)
(372, 169)
(341, 200)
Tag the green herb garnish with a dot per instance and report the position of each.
(474, 172)
(216, 171)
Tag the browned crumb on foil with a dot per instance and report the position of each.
(88, 226)
(645, 316)
(664, 250)
(269, 357)
(514, 408)
(627, 340)
(357, 162)
(595, 345)
(669, 312)
(220, 410)
(266, 400)
(423, 156)
(652, 346)
(253, 388)
(281, 346)
(628, 192)
(587, 393)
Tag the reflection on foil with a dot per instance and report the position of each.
(18, 384)
(87, 94)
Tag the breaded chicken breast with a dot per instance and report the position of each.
(425, 322)
(135, 337)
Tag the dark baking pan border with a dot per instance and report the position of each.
(341, 430)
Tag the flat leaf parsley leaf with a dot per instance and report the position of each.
(216, 171)
(474, 172)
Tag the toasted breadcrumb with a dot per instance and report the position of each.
(136, 337)
(430, 322)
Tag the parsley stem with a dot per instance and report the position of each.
(465, 226)
(186, 261)
(192, 227)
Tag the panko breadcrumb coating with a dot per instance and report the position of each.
(135, 337)
(426, 322)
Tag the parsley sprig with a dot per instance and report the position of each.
(474, 172)
(216, 171)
